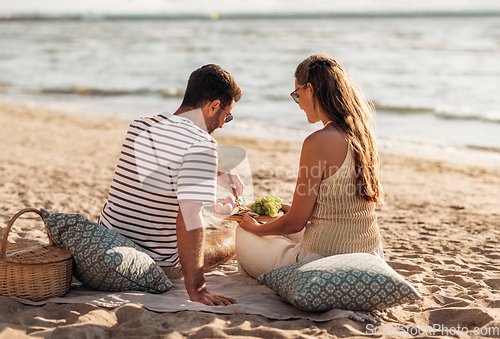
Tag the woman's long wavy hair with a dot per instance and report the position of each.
(343, 103)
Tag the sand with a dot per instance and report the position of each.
(440, 228)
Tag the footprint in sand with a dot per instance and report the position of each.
(405, 266)
(493, 283)
(465, 317)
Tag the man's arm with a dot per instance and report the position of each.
(190, 242)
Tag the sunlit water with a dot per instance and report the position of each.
(434, 81)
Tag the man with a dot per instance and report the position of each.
(166, 173)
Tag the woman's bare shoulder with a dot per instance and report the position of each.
(325, 138)
(329, 145)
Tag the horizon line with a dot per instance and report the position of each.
(253, 15)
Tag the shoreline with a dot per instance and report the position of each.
(439, 229)
(394, 140)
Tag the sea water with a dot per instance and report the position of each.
(434, 80)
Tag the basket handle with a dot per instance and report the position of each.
(9, 226)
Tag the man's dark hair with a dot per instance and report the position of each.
(208, 83)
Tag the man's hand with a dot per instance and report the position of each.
(211, 299)
(226, 179)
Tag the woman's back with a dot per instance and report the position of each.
(342, 222)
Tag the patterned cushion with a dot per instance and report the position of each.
(358, 282)
(105, 260)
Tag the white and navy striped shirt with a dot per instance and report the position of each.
(164, 159)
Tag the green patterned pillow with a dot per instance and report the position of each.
(358, 282)
(105, 260)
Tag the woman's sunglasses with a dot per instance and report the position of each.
(295, 95)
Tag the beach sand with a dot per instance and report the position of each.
(440, 229)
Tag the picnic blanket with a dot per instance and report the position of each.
(252, 298)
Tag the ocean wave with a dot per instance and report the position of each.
(442, 112)
(401, 109)
(484, 148)
(90, 91)
(466, 114)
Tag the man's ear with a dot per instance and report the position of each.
(211, 107)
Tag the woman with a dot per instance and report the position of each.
(333, 209)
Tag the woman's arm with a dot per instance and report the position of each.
(312, 165)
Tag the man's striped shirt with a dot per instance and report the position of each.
(164, 159)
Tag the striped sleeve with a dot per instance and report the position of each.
(197, 176)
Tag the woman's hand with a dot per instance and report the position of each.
(285, 208)
(250, 224)
(226, 179)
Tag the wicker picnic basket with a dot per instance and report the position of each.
(33, 271)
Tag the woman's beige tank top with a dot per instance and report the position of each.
(341, 221)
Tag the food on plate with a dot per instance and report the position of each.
(230, 200)
(226, 205)
(241, 211)
(218, 207)
(227, 208)
(263, 206)
(269, 205)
